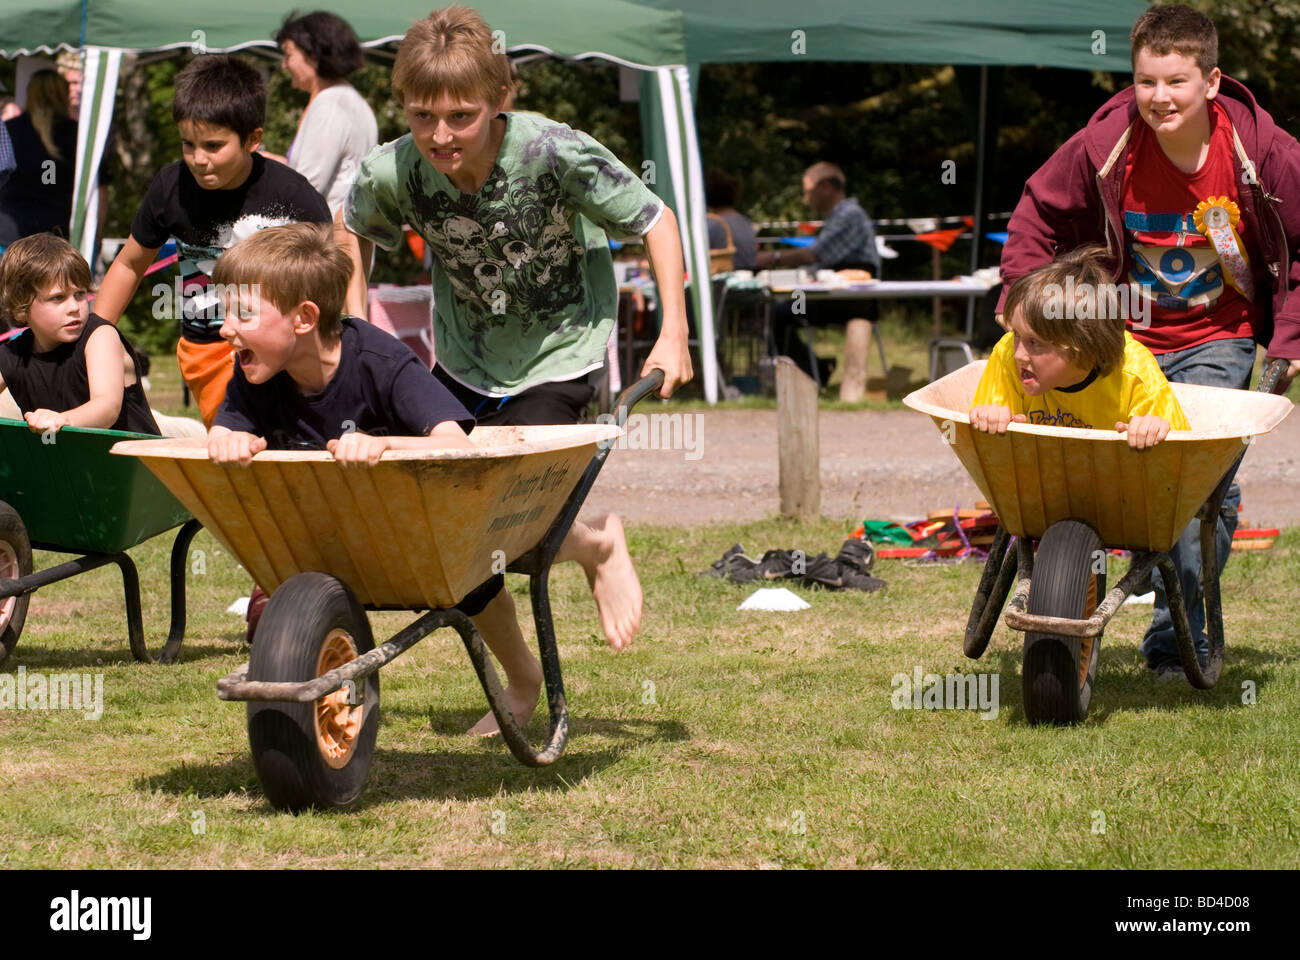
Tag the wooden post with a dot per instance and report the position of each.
(857, 338)
(799, 449)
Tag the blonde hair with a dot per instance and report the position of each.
(1090, 326)
(48, 101)
(33, 265)
(451, 52)
(289, 265)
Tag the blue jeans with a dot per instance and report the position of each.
(1219, 363)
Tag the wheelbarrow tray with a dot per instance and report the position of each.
(75, 498)
(1138, 500)
(420, 530)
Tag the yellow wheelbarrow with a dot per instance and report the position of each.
(418, 531)
(1078, 492)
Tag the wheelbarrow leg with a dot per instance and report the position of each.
(1202, 679)
(1213, 602)
(540, 590)
(537, 565)
(134, 619)
(131, 585)
(995, 584)
(180, 553)
(1024, 550)
(512, 733)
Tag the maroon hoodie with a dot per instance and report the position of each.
(1076, 198)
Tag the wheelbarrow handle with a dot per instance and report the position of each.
(634, 394)
(1272, 374)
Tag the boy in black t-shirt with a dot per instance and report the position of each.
(307, 376)
(69, 368)
(221, 192)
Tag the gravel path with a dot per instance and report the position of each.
(883, 465)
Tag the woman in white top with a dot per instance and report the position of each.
(338, 127)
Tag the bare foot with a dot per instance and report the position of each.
(522, 700)
(614, 583)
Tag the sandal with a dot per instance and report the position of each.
(847, 571)
(735, 566)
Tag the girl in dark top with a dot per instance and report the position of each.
(70, 368)
(38, 197)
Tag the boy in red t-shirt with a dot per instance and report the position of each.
(1179, 175)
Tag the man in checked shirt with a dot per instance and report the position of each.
(846, 240)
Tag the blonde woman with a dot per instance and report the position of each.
(38, 197)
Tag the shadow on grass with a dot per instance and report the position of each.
(471, 770)
(34, 656)
(1124, 684)
(453, 723)
(205, 780)
(486, 768)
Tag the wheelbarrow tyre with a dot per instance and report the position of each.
(1059, 671)
(15, 562)
(304, 755)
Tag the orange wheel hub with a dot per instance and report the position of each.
(337, 722)
(1085, 643)
(8, 571)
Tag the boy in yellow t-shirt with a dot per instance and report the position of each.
(1067, 363)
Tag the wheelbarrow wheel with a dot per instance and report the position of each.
(1069, 580)
(15, 562)
(312, 754)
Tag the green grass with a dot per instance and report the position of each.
(165, 388)
(759, 723)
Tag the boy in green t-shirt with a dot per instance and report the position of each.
(515, 208)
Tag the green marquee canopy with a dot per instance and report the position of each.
(992, 32)
(616, 29)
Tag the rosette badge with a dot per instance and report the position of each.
(1217, 219)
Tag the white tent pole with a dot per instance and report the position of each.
(701, 267)
(98, 91)
(688, 198)
(977, 231)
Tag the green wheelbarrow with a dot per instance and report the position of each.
(63, 492)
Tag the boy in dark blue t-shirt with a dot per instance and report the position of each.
(305, 376)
